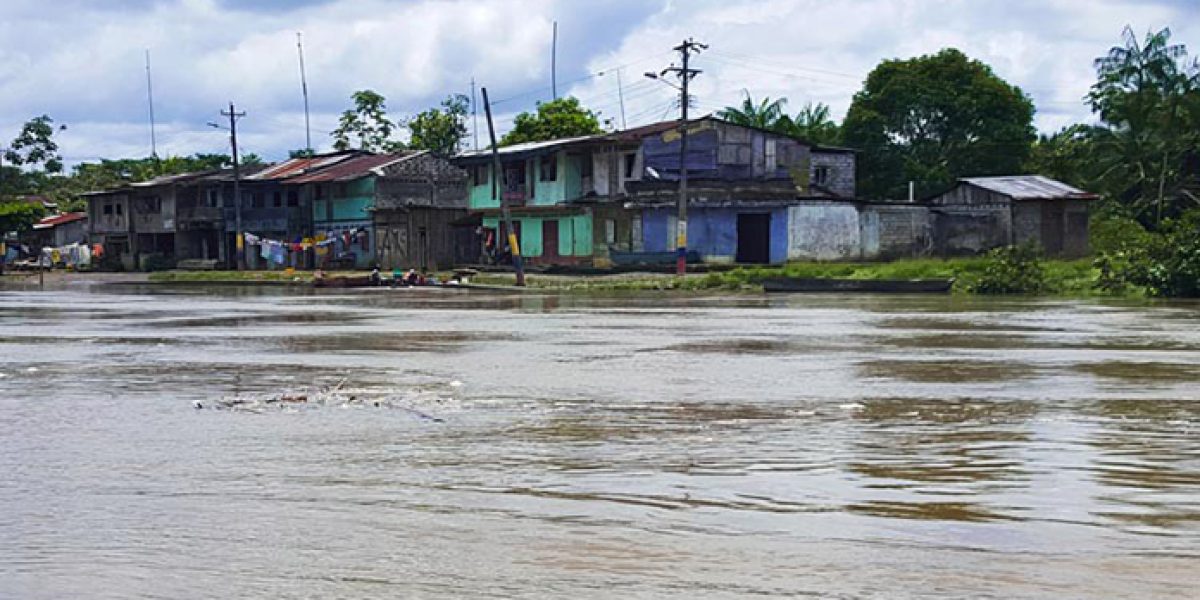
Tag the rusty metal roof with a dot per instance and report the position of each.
(56, 220)
(298, 166)
(1029, 187)
(349, 169)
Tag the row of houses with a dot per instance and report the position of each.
(755, 196)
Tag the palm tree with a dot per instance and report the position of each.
(764, 115)
(812, 123)
(1142, 92)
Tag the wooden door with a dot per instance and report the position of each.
(550, 239)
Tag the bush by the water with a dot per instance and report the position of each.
(1164, 263)
(1012, 270)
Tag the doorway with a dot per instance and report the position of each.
(754, 238)
(550, 239)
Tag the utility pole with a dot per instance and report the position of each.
(498, 194)
(304, 90)
(685, 74)
(239, 241)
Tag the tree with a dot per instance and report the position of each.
(561, 118)
(1147, 94)
(18, 217)
(766, 114)
(35, 147)
(933, 119)
(440, 131)
(367, 123)
(813, 124)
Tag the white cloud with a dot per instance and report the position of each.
(83, 62)
(808, 50)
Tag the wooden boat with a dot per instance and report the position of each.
(873, 286)
(345, 282)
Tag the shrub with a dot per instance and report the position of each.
(1166, 263)
(1012, 270)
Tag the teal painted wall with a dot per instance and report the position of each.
(481, 195)
(531, 233)
(549, 192)
(350, 204)
(569, 173)
(582, 237)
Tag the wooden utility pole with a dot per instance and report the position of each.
(497, 175)
(685, 74)
(239, 241)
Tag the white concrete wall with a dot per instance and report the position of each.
(823, 231)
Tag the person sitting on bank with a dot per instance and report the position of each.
(374, 277)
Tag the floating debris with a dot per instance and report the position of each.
(31, 370)
(335, 396)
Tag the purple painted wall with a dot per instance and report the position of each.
(711, 231)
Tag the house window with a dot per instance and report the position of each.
(293, 198)
(120, 208)
(108, 209)
(548, 168)
(821, 176)
(630, 164)
(772, 157)
(610, 231)
(212, 197)
(479, 175)
(277, 200)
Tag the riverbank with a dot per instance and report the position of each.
(1065, 278)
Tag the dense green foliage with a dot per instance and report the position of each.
(812, 123)
(933, 119)
(1163, 263)
(1144, 155)
(366, 126)
(440, 130)
(561, 118)
(1012, 270)
(18, 216)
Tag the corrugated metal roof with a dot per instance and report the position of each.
(528, 147)
(349, 169)
(63, 219)
(1028, 187)
(298, 166)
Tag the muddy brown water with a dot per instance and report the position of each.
(542, 446)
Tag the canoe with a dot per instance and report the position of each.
(874, 286)
(345, 282)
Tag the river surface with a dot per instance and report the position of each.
(533, 446)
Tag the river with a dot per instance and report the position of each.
(537, 446)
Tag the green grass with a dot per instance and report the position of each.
(299, 277)
(1067, 278)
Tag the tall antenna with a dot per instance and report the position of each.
(554, 62)
(621, 97)
(474, 115)
(304, 90)
(150, 98)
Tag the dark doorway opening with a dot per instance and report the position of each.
(549, 239)
(754, 238)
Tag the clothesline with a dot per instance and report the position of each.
(277, 250)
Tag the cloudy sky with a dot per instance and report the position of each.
(83, 61)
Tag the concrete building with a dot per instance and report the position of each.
(981, 213)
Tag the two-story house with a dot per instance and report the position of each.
(596, 198)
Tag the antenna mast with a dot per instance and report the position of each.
(150, 99)
(304, 90)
